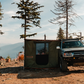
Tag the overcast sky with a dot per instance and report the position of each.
(12, 27)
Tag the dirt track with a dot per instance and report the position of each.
(13, 73)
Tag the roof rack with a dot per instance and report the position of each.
(70, 39)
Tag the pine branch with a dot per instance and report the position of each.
(23, 25)
(19, 17)
(1, 32)
(29, 35)
(37, 8)
(19, 12)
(1, 25)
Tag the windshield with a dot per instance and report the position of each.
(71, 44)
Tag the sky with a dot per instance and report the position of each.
(12, 27)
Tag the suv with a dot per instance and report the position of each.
(71, 52)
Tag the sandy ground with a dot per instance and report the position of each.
(13, 73)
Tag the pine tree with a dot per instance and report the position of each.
(70, 37)
(28, 11)
(1, 18)
(64, 12)
(60, 34)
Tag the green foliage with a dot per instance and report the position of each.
(1, 14)
(1, 18)
(60, 34)
(8, 57)
(28, 11)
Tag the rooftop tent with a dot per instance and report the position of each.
(41, 53)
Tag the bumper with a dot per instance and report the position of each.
(74, 60)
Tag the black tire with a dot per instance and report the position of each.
(63, 65)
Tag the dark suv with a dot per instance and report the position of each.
(71, 52)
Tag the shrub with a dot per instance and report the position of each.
(8, 57)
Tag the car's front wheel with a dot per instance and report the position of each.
(63, 65)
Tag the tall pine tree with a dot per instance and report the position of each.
(28, 11)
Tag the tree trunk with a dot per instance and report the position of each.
(66, 19)
(25, 38)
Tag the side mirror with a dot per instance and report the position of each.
(58, 47)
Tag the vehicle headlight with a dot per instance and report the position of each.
(68, 54)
